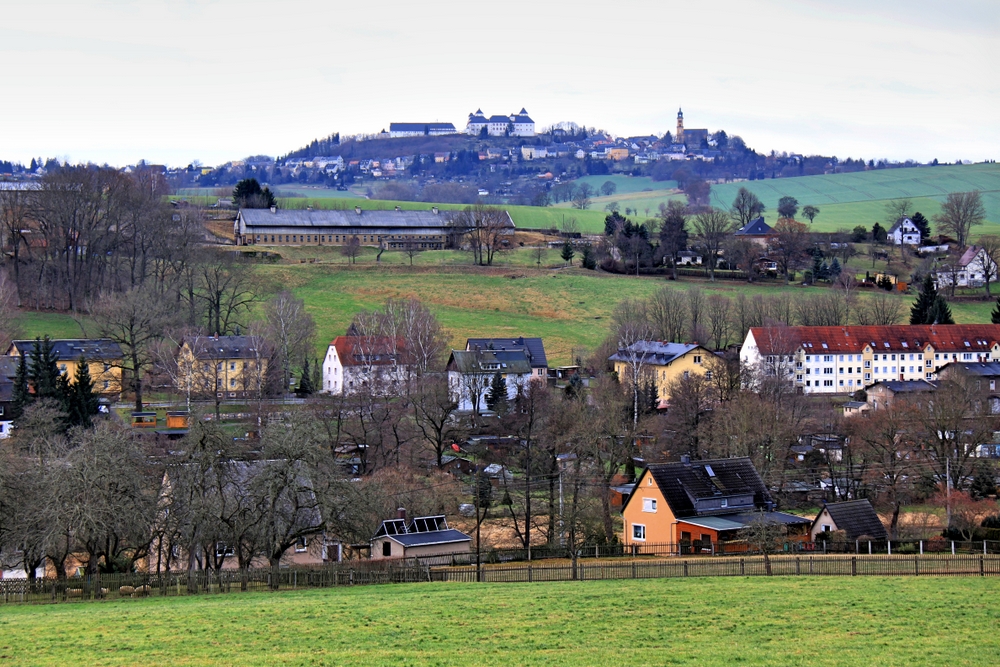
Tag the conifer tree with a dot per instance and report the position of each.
(44, 370)
(20, 396)
(995, 315)
(82, 404)
(567, 252)
(305, 381)
(317, 376)
(930, 307)
(496, 397)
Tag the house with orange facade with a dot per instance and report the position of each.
(693, 506)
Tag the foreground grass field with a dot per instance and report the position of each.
(720, 621)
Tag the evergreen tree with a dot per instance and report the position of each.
(20, 396)
(567, 252)
(82, 404)
(587, 260)
(930, 307)
(879, 233)
(940, 313)
(44, 371)
(921, 223)
(317, 376)
(835, 269)
(995, 315)
(817, 268)
(305, 380)
(496, 397)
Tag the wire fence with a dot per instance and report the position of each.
(603, 566)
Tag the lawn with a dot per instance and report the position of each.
(709, 621)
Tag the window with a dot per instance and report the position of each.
(649, 504)
(301, 545)
(827, 383)
(232, 383)
(697, 358)
(827, 357)
(826, 528)
(106, 384)
(868, 364)
(868, 377)
(232, 365)
(993, 385)
(828, 371)
(708, 375)
(107, 367)
(387, 548)
(638, 532)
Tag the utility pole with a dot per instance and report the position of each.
(947, 467)
(562, 529)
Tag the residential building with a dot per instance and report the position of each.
(839, 360)
(534, 152)
(663, 362)
(355, 362)
(222, 366)
(421, 537)
(8, 371)
(855, 408)
(693, 505)
(757, 231)
(427, 229)
(970, 270)
(857, 518)
(421, 129)
(985, 377)
(616, 154)
(884, 393)
(903, 232)
(104, 361)
(534, 348)
(471, 372)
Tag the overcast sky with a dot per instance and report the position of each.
(175, 81)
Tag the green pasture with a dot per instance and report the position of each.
(627, 185)
(699, 621)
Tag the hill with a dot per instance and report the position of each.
(844, 200)
(696, 621)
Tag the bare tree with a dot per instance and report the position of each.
(990, 257)
(487, 229)
(351, 248)
(135, 320)
(228, 290)
(879, 309)
(763, 535)
(696, 307)
(960, 212)
(9, 328)
(15, 215)
(291, 330)
(667, 314)
(898, 208)
(746, 207)
(719, 318)
(411, 249)
(582, 196)
(789, 244)
(821, 310)
(433, 404)
(712, 228)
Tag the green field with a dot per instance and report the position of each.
(844, 200)
(569, 308)
(709, 621)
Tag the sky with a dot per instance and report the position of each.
(182, 80)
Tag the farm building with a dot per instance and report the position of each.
(423, 536)
(398, 229)
(857, 518)
(421, 129)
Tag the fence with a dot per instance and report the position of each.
(978, 565)
(131, 586)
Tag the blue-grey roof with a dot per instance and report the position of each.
(855, 518)
(73, 348)
(448, 536)
(985, 368)
(653, 352)
(756, 227)
(534, 347)
(419, 127)
(347, 222)
(737, 521)
(906, 386)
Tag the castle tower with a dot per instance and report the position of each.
(679, 136)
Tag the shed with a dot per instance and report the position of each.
(857, 518)
(422, 537)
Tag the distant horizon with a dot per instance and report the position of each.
(176, 82)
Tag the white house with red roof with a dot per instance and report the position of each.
(842, 360)
(972, 269)
(356, 362)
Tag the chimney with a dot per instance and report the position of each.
(401, 513)
(274, 209)
(434, 210)
(357, 209)
(686, 459)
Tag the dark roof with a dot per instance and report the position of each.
(756, 227)
(856, 518)
(350, 221)
(987, 369)
(223, 347)
(689, 488)
(654, 352)
(905, 386)
(899, 223)
(419, 127)
(433, 537)
(420, 531)
(73, 348)
(534, 347)
(510, 362)
(498, 119)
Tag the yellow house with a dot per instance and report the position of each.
(104, 361)
(226, 366)
(664, 362)
(617, 154)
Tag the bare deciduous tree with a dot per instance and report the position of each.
(667, 314)
(960, 212)
(879, 309)
(291, 331)
(712, 227)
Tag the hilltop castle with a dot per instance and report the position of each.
(515, 125)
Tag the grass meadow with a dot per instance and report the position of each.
(697, 621)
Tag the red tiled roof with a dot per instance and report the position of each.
(379, 350)
(839, 340)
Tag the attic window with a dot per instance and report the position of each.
(886, 343)
(967, 344)
(905, 344)
(825, 346)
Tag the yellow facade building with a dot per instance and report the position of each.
(664, 362)
(104, 361)
(224, 366)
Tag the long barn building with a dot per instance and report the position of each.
(398, 229)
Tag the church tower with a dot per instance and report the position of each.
(679, 136)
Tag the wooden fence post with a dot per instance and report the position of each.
(916, 566)
(982, 570)
(854, 566)
(798, 566)
(742, 566)
(685, 568)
